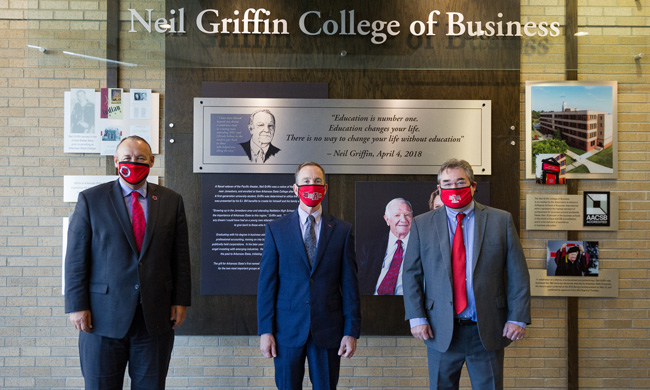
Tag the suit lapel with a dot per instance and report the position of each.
(480, 222)
(440, 220)
(152, 214)
(117, 201)
(326, 229)
(295, 235)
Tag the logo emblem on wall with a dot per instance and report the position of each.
(596, 209)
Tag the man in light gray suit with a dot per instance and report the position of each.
(466, 284)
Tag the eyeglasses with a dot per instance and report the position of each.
(459, 184)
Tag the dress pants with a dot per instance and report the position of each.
(323, 365)
(104, 359)
(485, 367)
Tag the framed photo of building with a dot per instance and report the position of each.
(577, 119)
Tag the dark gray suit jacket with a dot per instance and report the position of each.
(501, 280)
(370, 259)
(105, 274)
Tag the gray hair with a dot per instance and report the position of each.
(397, 200)
(454, 164)
(264, 110)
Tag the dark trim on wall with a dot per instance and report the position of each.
(571, 59)
(573, 347)
(112, 42)
(112, 53)
(570, 40)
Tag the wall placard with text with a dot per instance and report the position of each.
(565, 212)
(346, 136)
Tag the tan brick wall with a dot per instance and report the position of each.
(38, 348)
(613, 331)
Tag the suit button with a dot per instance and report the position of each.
(140, 264)
(137, 286)
(307, 302)
(311, 280)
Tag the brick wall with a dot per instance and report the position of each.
(38, 348)
(613, 331)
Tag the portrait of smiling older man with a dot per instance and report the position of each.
(380, 261)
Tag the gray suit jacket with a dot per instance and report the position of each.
(104, 272)
(501, 280)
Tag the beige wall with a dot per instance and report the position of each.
(38, 347)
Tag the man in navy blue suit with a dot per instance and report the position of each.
(308, 294)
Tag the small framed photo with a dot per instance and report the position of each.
(572, 258)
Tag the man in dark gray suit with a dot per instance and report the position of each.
(466, 284)
(127, 274)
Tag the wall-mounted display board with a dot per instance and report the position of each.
(604, 285)
(570, 212)
(74, 184)
(234, 211)
(343, 135)
(436, 67)
(95, 122)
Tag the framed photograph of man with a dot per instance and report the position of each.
(82, 115)
(577, 119)
(384, 214)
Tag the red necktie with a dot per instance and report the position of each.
(139, 223)
(458, 261)
(387, 286)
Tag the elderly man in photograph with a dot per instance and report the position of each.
(466, 284)
(262, 128)
(127, 274)
(380, 261)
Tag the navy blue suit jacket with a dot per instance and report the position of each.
(104, 272)
(294, 299)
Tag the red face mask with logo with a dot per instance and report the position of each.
(312, 194)
(456, 198)
(133, 172)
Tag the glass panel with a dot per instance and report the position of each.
(72, 35)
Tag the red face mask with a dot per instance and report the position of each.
(133, 172)
(312, 194)
(456, 198)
